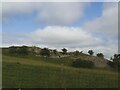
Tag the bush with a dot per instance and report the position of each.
(83, 63)
(111, 64)
(23, 50)
(45, 52)
(115, 63)
(64, 51)
(76, 53)
(14, 50)
(90, 52)
(100, 55)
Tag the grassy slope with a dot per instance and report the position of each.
(40, 72)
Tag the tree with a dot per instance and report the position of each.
(45, 52)
(64, 51)
(100, 55)
(81, 51)
(23, 50)
(116, 60)
(12, 50)
(18, 50)
(55, 51)
(82, 63)
(91, 52)
(77, 52)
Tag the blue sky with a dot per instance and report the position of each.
(76, 26)
(21, 23)
(93, 11)
(26, 23)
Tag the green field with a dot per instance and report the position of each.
(39, 72)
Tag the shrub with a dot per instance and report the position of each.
(111, 64)
(90, 52)
(23, 50)
(83, 63)
(64, 50)
(100, 55)
(12, 50)
(45, 52)
(76, 53)
(115, 63)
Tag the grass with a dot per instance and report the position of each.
(38, 72)
(65, 61)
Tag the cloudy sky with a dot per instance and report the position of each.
(72, 25)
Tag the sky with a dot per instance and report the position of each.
(73, 25)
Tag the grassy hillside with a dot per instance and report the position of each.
(66, 59)
(38, 72)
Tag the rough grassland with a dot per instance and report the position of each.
(33, 73)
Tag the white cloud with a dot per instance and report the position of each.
(62, 13)
(60, 0)
(64, 36)
(81, 38)
(0, 12)
(12, 9)
(59, 37)
(107, 24)
(0, 24)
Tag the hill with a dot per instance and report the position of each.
(31, 72)
(36, 71)
(71, 56)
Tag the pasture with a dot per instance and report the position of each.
(40, 72)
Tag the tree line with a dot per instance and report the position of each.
(24, 50)
(46, 52)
